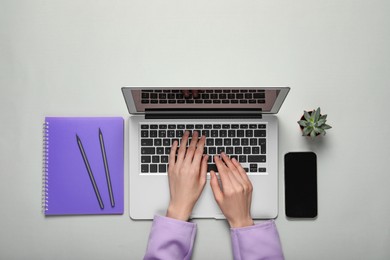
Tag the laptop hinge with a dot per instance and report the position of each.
(203, 113)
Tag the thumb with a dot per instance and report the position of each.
(215, 186)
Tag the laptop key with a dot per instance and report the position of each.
(209, 142)
(238, 150)
(256, 158)
(162, 133)
(153, 133)
(259, 133)
(144, 133)
(214, 133)
(144, 168)
(164, 159)
(229, 150)
(157, 142)
(253, 141)
(263, 149)
(162, 168)
(153, 168)
(166, 142)
(146, 142)
(148, 150)
(171, 133)
(212, 166)
(232, 133)
(145, 159)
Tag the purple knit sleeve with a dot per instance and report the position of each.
(259, 241)
(170, 239)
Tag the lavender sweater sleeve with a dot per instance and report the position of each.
(170, 239)
(260, 241)
(174, 239)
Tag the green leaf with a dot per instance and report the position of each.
(323, 117)
(306, 131)
(321, 122)
(320, 131)
(303, 123)
(312, 116)
(325, 126)
(313, 134)
(317, 114)
(306, 115)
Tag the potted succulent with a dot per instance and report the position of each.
(313, 123)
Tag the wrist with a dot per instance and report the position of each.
(178, 213)
(241, 223)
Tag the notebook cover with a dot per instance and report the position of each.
(68, 189)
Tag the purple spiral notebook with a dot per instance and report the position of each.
(83, 175)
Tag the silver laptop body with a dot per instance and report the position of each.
(158, 113)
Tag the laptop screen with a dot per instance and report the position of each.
(140, 99)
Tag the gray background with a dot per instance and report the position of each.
(70, 58)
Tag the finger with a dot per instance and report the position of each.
(227, 161)
(172, 154)
(192, 147)
(218, 195)
(183, 147)
(247, 184)
(222, 170)
(233, 171)
(241, 170)
(199, 151)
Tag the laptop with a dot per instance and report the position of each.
(239, 121)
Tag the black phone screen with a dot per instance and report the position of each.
(300, 182)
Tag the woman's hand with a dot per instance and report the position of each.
(187, 176)
(235, 197)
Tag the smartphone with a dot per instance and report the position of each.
(300, 183)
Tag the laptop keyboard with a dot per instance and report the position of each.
(244, 141)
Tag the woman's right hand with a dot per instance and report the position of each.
(235, 197)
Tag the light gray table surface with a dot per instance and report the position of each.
(70, 58)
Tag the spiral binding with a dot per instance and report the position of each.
(45, 168)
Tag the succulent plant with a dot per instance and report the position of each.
(313, 123)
